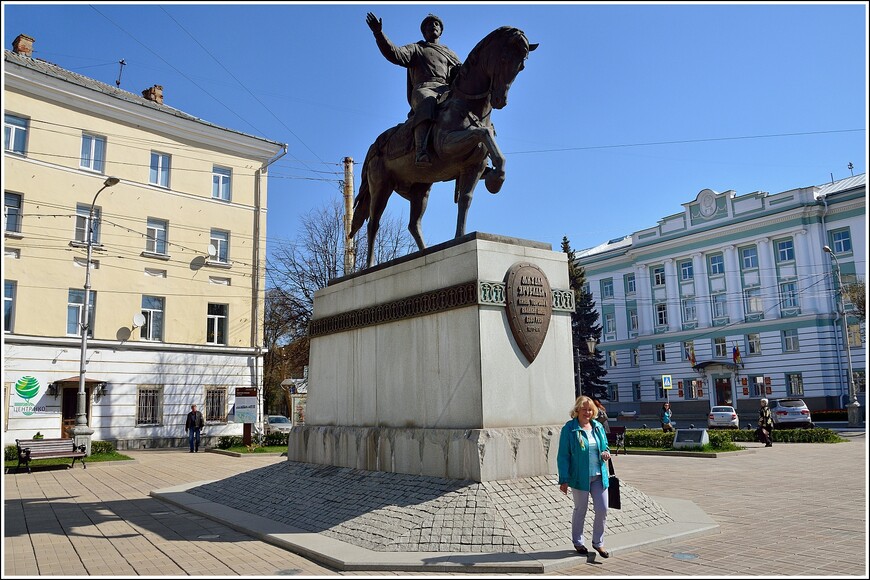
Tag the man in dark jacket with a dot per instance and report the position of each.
(193, 426)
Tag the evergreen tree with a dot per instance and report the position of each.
(589, 371)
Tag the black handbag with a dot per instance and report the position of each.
(613, 499)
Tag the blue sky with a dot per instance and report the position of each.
(623, 113)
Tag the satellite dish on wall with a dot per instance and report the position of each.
(138, 320)
(212, 251)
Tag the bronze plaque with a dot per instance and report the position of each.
(529, 307)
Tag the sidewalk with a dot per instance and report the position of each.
(775, 512)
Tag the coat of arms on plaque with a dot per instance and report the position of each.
(529, 306)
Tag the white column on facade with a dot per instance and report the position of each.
(702, 290)
(733, 287)
(767, 275)
(672, 283)
(809, 283)
(644, 300)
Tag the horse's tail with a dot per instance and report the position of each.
(363, 198)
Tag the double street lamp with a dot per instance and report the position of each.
(854, 407)
(81, 429)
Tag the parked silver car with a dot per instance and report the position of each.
(724, 417)
(790, 413)
(278, 424)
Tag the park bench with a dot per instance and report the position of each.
(30, 449)
(616, 439)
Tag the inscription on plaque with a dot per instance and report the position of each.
(529, 301)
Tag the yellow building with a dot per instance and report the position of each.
(177, 269)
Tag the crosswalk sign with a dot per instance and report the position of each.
(667, 382)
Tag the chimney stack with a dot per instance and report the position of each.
(23, 45)
(155, 94)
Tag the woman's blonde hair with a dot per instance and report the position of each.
(582, 401)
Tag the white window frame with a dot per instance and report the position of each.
(841, 241)
(660, 351)
(612, 358)
(154, 311)
(659, 276)
(83, 216)
(607, 288)
(635, 357)
(220, 239)
(690, 312)
(15, 132)
(719, 303)
(791, 340)
(93, 154)
(749, 257)
(752, 301)
(794, 384)
(661, 314)
(221, 183)
(635, 391)
(784, 251)
(609, 323)
(12, 212)
(632, 320)
(156, 236)
(159, 169)
(10, 288)
(716, 264)
(75, 303)
(687, 270)
(149, 405)
(789, 296)
(217, 324)
(720, 347)
(630, 284)
(753, 344)
(757, 384)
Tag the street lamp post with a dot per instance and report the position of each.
(81, 432)
(854, 407)
(590, 345)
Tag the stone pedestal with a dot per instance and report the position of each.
(415, 367)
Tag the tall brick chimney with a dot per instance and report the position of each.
(23, 45)
(155, 94)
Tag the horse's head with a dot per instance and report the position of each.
(503, 54)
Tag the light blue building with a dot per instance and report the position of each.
(735, 298)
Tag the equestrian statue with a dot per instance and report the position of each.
(448, 134)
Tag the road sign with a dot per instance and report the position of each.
(667, 382)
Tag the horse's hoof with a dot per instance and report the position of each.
(494, 180)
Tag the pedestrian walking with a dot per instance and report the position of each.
(582, 463)
(666, 416)
(193, 426)
(765, 424)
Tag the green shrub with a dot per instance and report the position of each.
(725, 439)
(227, 441)
(10, 453)
(831, 415)
(98, 447)
(276, 439)
(653, 438)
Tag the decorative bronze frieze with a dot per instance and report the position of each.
(481, 292)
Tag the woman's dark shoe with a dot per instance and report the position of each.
(604, 553)
(581, 550)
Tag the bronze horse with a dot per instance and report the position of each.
(462, 139)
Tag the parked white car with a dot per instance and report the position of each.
(723, 417)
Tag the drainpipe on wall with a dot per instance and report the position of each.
(255, 286)
(829, 284)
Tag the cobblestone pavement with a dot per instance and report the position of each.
(788, 510)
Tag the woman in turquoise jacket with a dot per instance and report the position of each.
(582, 462)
